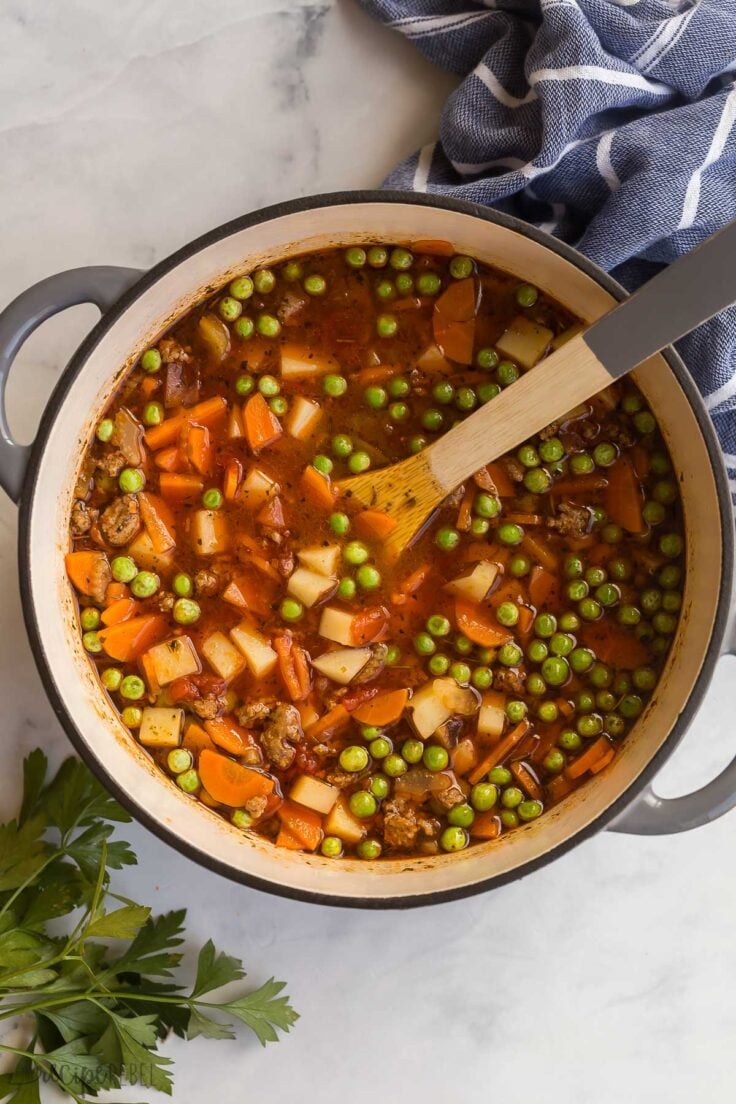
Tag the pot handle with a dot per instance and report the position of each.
(99, 284)
(651, 815)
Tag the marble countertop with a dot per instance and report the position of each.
(126, 130)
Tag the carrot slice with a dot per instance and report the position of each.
(159, 522)
(229, 736)
(130, 639)
(579, 485)
(505, 486)
(197, 446)
(486, 826)
(464, 514)
(302, 823)
(229, 782)
(332, 722)
(180, 488)
(590, 757)
(169, 459)
(559, 787)
(543, 586)
(207, 413)
(436, 246)
(527, 779)
(473, 623)
(368, 625)
(615, 645)
(114, 592)
(453, 320)
(623, 497)
(375, 523)
(411, 584)
(540, 550)
(232, 480)
(384, 709)
(86, 570)
(293, 666)
(195, 739)
(318, 488)
(122, 610)
(499, 752)
(287, 839)
(261, 425)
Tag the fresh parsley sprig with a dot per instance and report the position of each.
(98, 1011)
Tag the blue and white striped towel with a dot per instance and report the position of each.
(609, 123)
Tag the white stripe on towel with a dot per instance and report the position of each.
(435, 24)
(721, 394)
(424, 164)
(717, 145)
(603, 161)
(494, 86)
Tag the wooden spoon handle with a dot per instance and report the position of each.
(568, 377)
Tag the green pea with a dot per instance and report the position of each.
(447, 539)
(569, 740)
(398, 387)
(239, 818)
(585, 701)
(331, 847)
(368, 577)
(510, 533)
(612, 534)
(438, 665)
(628, 615)
(182, 585)
(460, 672)
(554, 762)
(590, 609)
(428, 283)
(393, 655)
(241, 287)
(188, 781)
(664, 623)
(443, 392)
(380, 748)
(600, 675)
(92, 643)
(454, 838)
(359, 462)
(650, 599)
(511, 797)
(589, 725)
(644, 422)
(394, 766)
(179, 760)
(671, 545)
(644, 678)
(404, 283)
(186, 611)
(537, 651)
(339, 524)
(479, 527)
(387, 325)
(412, 750)
(213, 499)
(619, 569)
(245, 328)
(484, 795)
(375, 397)
(89, 619)
(555, 671)
(520, 565)
(269, 386)
(660, 464)
(614, 724)
(509, 655)
(334, 386)
(153, 413)
(377, 256)
(145, 584)
(547, 712)
(516, 711)
(123, 569)
(507, 614)
(482, 678)
(398, 412)
(461, 267)
(509, 819)
(369, 732)
(669, 577)
(244, 385)
(569, 621)
(323, 464)
(535, 685)
(369, 849)
(362, 804)
(526, 295)
(355, 257)
(151, 360)
(631, 403)
(561, 644)
(528, 456)
(132, 716)
(671, 601)
(438, 625)
(432, 420)
(229, 309)
(401, 259)
(552, 450)
(581, 463)
(545, 625)
(573, 568)
(416, 444)
(605, 454)
(264, 280)
(380, 786)
(605, 700)
(105, 430)
(653, 513)
(354, 758)
(424, 645)
(630, 706)
(268, 325)
(487, 359)
(485, 655)
(386, 290)
(111, 678)
(581, 660)
(461, 815)
(342, 446)
(291, 609)
(486, 505)
(537, 481)
(132, 687)
(131, 480)
(466, 399)
(507, 373)
(355, 552)
(530, 810)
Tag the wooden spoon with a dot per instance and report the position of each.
(681, 297)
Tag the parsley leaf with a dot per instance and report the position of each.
(99, 1009)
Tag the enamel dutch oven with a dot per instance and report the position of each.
(136, 308)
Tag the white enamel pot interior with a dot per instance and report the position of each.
(151, 305)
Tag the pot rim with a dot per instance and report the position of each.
(44, 666)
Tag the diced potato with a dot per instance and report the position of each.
(427, 711)
(461, 700)
(567, 335)
(222, 656)
(343, 824)
(524, 342)
(146, 557)
(432, 360)
(324, 560)
(300, 362)
(303, 418)
(343, 664)
(475, 584)
(173, 659)
(161, 727)
(235, 427)
(210, 533)
(258, 487)
(491, 716)
(336, 624)
(309, 587)
(259, 655)
(313, 793)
